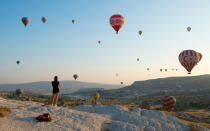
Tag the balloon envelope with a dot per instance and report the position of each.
(25, 21)
(75, 76)
(188, 59)
(169, 102)
(44, 19)
(140, 32)
(188, 28)
(18, 62)
(200, 56)
(117, 21)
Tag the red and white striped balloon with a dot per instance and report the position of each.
(117, 21)
(188, 59)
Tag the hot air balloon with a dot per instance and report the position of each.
(200, 56)
(44, 19)
(137, 59)
(188, 59)
(116, 75)
(75, 76)
(188, 28)
(99, 42)
(117, 21)
(18, 62)
(169, 102)
(121, 83)
(73, 21)
(140, 32)
(25, 21)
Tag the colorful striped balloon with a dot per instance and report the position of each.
(117, 21)
(188, 59)
(169, 102)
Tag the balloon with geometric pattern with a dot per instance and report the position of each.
(169, 102)
(188, 59)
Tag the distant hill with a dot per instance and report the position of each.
(44, 87)
(171, 85)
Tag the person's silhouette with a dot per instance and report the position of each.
(55, 85)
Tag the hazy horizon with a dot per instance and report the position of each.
(61, 48)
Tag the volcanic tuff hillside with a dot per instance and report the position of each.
(88, 118)
(169, 85)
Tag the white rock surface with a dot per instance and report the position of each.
(87, 118)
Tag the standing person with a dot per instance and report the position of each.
(96, 97)
(55, 85)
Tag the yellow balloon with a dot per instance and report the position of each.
(199, 56)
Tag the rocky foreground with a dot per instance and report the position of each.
(87, 118)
